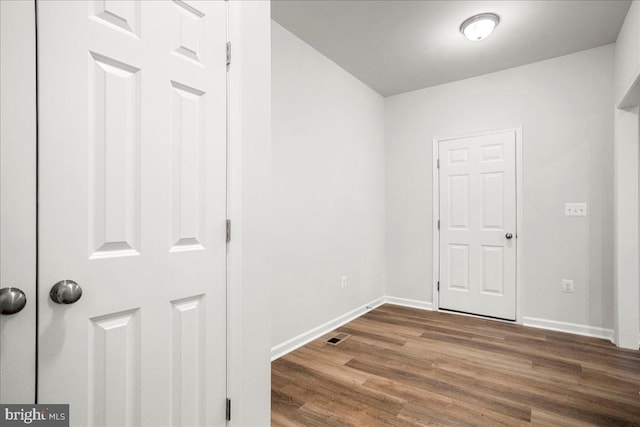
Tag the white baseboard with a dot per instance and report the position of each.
(423, 305)
(306, 337)
(296, 342)
(572, 328)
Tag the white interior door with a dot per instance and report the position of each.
(477, 186)
(18, 199)
(132, 178)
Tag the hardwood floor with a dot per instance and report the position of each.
(404, 366)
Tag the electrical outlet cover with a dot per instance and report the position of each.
(567, 286)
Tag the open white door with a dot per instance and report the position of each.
(477, 188)
(17, 200)
(132, 178)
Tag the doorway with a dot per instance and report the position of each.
(132, 181)
(477, 212)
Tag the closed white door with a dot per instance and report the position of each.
(477, 187)
(17, 202)
(132, 207)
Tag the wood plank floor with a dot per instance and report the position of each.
(404, 366)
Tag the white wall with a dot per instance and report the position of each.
(627, 58)
(564, 105)
(627, 139)
(328, 189)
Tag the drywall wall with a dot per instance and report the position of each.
(249, 205)
(328, 189)
(626, 273)
(626, 165)
(627, 56)
(564, 106)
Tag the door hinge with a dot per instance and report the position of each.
(438, 286)
(228, 230)
(438, 224)
(228, 409)
(438, 163)
(228, 53)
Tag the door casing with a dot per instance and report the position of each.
(519, 214)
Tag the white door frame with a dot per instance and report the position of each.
(249, 343)
(519, 213)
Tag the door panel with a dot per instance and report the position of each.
(18, 197)
(133, 208)
(477, 210)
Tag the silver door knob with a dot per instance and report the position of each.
(508, 235)
(65, 292)
(12, 300)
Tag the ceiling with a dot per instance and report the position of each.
(400, 46)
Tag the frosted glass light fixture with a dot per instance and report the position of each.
(480, 26)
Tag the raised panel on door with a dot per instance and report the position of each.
(114, 369)
(492, 201)
(477, 190)
(458, 201)
(188, 167)
(188, 361)
(114, 157)
(133, 208)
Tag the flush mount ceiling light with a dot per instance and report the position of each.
(480, 26)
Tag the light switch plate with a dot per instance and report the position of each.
(575, 209)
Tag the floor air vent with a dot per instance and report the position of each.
(338, 339)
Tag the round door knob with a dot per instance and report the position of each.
(12, 300)
(508, 235)
(65, 292)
